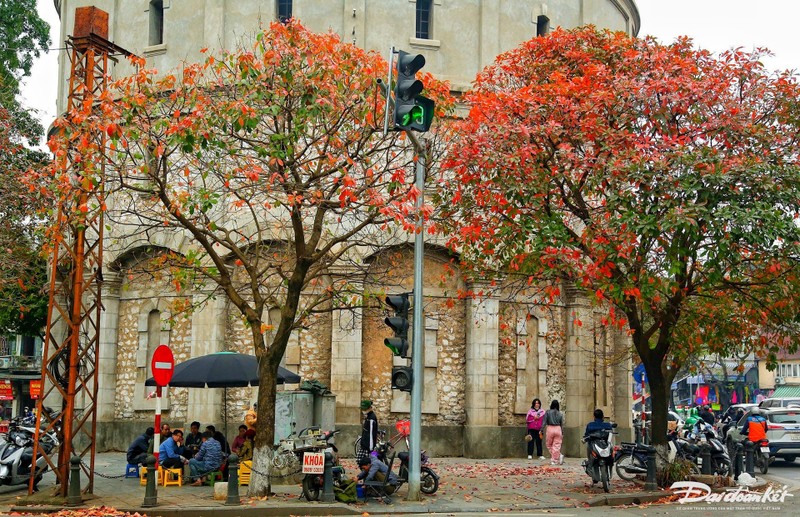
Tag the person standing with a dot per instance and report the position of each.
(535, 420)
(369, 430)
(553, 432)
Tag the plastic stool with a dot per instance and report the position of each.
(245, 469)
(213, 477)
(173, 477)
(143, 475)
(132, 471)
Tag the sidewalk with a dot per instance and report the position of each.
(465, 485)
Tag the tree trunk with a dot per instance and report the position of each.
(265, 428)
(659, 399)
(262, 469)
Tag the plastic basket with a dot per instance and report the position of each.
(403, 427)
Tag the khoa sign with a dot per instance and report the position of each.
(313, 463)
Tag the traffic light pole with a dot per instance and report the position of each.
(413, 112)
(418, 336)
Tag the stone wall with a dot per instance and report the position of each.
(141, 294)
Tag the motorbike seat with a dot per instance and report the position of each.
(403, 457)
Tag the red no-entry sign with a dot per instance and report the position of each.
(163, 365)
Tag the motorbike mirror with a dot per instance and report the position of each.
(613, 426)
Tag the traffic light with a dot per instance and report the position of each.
(398, 344)
(401, 378)
(411, 110)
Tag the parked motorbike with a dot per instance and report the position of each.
(683, 448)
(599, 465)
(16, 454)
(314, 484)
(720, 459)
(630, 460)
(428, 479)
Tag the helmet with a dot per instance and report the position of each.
(757, 412)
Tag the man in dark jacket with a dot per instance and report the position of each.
(599, 424)
(369, 430)
(373, 469)
(137, 452)
(707, 415)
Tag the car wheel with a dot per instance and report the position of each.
(789, 459)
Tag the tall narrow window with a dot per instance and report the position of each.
(424, 19)
(284, 10)
(542, 25)
(156, 22)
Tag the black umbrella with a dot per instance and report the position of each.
(222, 370)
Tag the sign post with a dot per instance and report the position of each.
(162, 366)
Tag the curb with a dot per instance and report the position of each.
(626, 499)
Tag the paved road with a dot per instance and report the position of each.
(509, 486)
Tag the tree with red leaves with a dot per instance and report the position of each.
(272, 163)
(661, 180)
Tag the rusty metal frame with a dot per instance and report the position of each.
(70, 355)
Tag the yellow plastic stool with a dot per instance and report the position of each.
(143, 476)
(245, 469)
(173, 477)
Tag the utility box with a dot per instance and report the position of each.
(294, 411)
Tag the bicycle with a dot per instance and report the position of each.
(403, 428)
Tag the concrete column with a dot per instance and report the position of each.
(346, 350)
(482, 433)
(622, 395)
(578, 403)
(214, 24)
(482, 370)
(490, 31)
(107, 344)
(208, 336)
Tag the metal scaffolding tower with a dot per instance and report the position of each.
(68, 404)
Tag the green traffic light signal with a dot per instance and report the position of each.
(411, 110)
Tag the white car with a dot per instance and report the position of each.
(783, 432)
(779, 402)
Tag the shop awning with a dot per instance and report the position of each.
(786, 391)
(21, 376)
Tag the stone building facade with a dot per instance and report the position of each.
(485, 360)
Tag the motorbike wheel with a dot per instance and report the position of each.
(628, 461)
(763, 464)
(428, 483)
(722, 467)
(312, 486)
(604, 471)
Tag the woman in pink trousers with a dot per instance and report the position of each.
(552, 430)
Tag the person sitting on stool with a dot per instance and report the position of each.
(374, 469)
(170, 452)
(138, 450)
